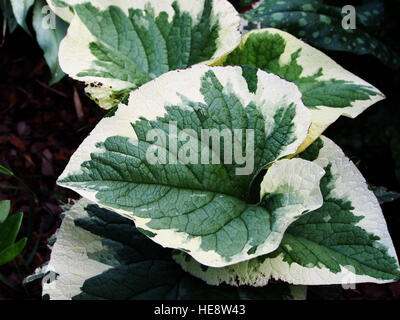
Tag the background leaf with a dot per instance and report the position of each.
(49, 38)
(159, 38)
(21, 9)
(384, 195)
(11, 252)
(8, 16)
(320, 24)
(9, 230)
(5, 206)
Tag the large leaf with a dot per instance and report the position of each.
(194, 197)
(345, 241)
(21, 9)
(49, 39)
(320, 25)
(117, 48)
(101, 255)
(328, 90)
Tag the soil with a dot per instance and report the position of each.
(39, 131)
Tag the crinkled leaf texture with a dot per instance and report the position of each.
(345, 241)
(327, 89)
(101, 255)
(116, 46)
(205, 209)
(320, 24)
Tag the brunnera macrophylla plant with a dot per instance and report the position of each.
(215, 150)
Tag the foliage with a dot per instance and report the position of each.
(319, 23)
(211, 202)
(9, 228)
(123, 264)
(299, 210)
(49, 29)
(325, 246)
(157, 38)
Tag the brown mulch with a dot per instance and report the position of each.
(40, 128)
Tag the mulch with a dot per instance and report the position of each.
(39, 131)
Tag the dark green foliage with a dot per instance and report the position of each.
(320, 24)
(9, 228)
(145, 270)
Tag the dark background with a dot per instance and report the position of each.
(41, 127)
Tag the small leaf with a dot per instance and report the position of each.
(49, 38)
(21, 9)
(11, 252)
(9, 230)
(116, 49)
(6, 171)
(5, 206)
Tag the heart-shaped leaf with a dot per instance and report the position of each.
(153, 162)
